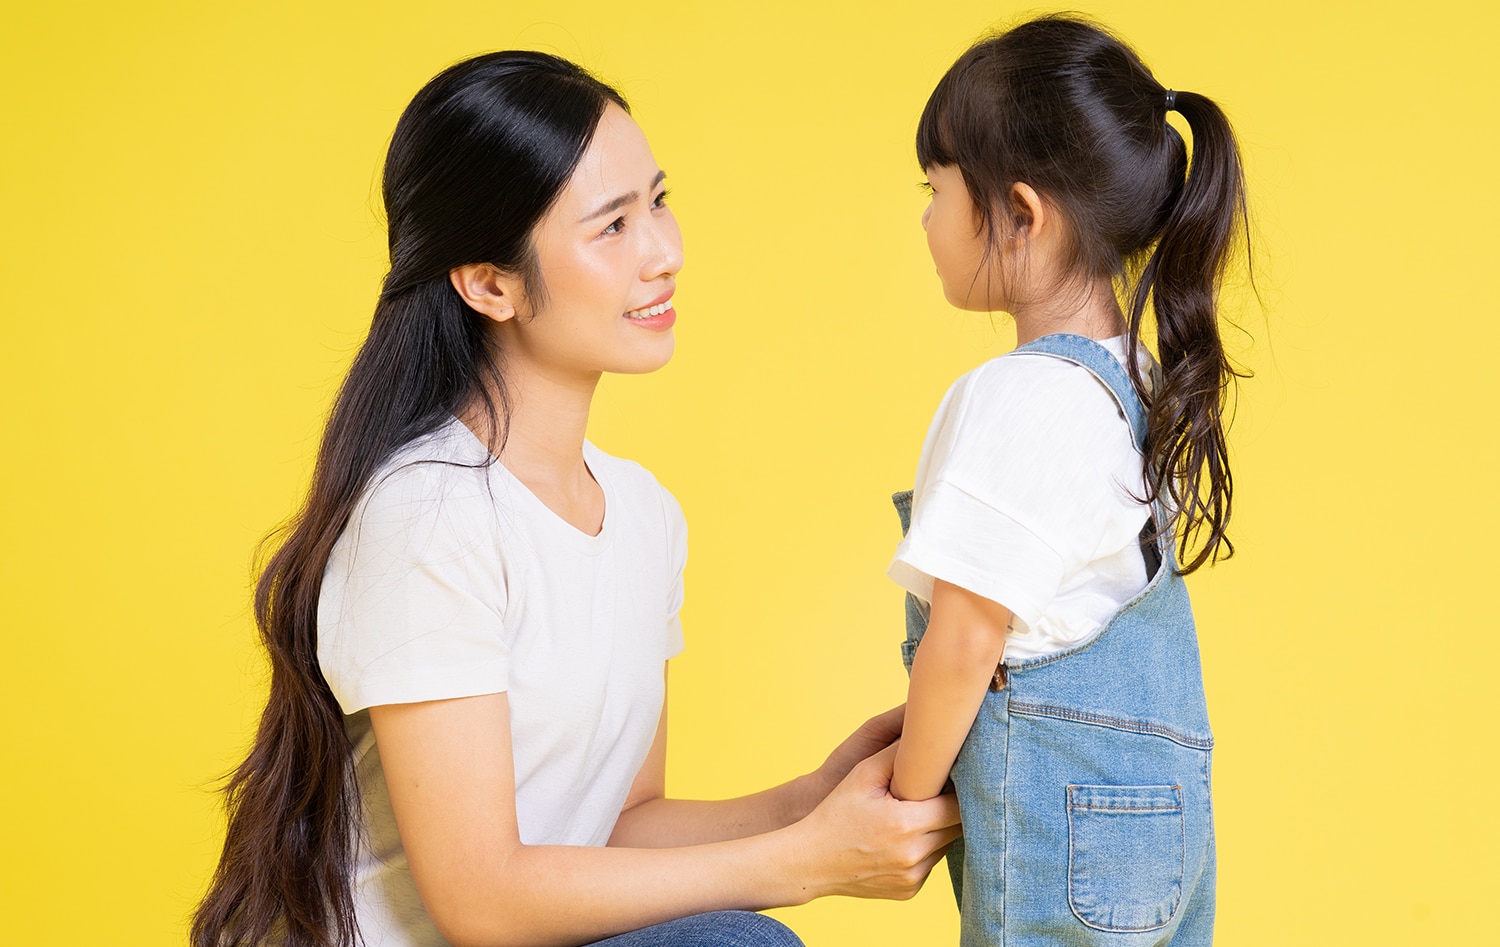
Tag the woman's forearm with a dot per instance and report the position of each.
(859, 842)
(665, 823)
(563, 895)
(651, 820)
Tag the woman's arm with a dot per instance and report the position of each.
(450, 773)
(651, 820)
(950, 673)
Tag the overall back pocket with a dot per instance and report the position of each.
(1125, 855)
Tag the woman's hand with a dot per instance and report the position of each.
(862, 841)
(873, 735)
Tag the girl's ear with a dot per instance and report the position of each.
(488, 291)
(1029, 215)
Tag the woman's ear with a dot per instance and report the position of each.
(488, 291)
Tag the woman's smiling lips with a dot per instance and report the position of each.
(657, 314)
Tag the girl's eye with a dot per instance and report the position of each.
(926, 186)
(616, 226)
(661, 199)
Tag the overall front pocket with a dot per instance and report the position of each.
(1125, 855)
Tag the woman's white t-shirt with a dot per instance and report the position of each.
(1026, 495)
(453, 580)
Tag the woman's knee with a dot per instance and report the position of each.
(748, 929)
(715, 929)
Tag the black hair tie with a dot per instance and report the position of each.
(1171, 100)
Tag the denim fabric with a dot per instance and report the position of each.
(1084, 784)
(717, 929)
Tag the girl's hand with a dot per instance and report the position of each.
(863, 842)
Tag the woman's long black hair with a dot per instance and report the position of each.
(478, 157)
(1061, 104)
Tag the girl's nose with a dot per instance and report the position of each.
(926, 215)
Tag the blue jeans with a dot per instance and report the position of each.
(717, 929)
(1083, 784)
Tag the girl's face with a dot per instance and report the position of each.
(956, 240)
(608, 253)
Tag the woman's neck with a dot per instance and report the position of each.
(543, 442)
(549, 418)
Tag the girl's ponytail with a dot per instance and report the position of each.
(1065, 106)
(1188, 461)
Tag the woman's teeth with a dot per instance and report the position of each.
(649, 311)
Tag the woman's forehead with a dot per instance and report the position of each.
(617, 164)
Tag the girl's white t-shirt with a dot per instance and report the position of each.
(452, 580)
(1026, 494)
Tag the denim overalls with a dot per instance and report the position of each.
(1084, 783)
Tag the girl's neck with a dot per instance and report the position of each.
(1088, 309)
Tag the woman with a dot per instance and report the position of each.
(469, 622)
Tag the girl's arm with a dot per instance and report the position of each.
(451, 777)
(650, 820)
(950, 674)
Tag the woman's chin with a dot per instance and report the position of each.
(647, 359)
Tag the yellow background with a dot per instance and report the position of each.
(190, 250)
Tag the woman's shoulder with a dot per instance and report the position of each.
(637, 489)
(627, 476)
(446, 469)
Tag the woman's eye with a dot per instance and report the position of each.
(661, 199)
(616, 226)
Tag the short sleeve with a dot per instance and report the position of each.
(1026, 466)
(675, 642)
(414, 595)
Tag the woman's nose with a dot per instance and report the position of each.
(664, 256)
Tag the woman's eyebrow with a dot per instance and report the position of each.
(616, 203)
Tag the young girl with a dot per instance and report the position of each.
(1062, 489)
(469, 622)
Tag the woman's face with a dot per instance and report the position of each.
(608, 253)
(956, 240)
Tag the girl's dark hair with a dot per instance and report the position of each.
(1061, 104)
(477, 159)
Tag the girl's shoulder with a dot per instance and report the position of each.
(1034, 406)
(1033, 386)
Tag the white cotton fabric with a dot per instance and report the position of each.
(1025, 494)
(453, 580)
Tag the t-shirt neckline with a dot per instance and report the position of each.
(561, 527)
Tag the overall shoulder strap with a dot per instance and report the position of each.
(1086, 353)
